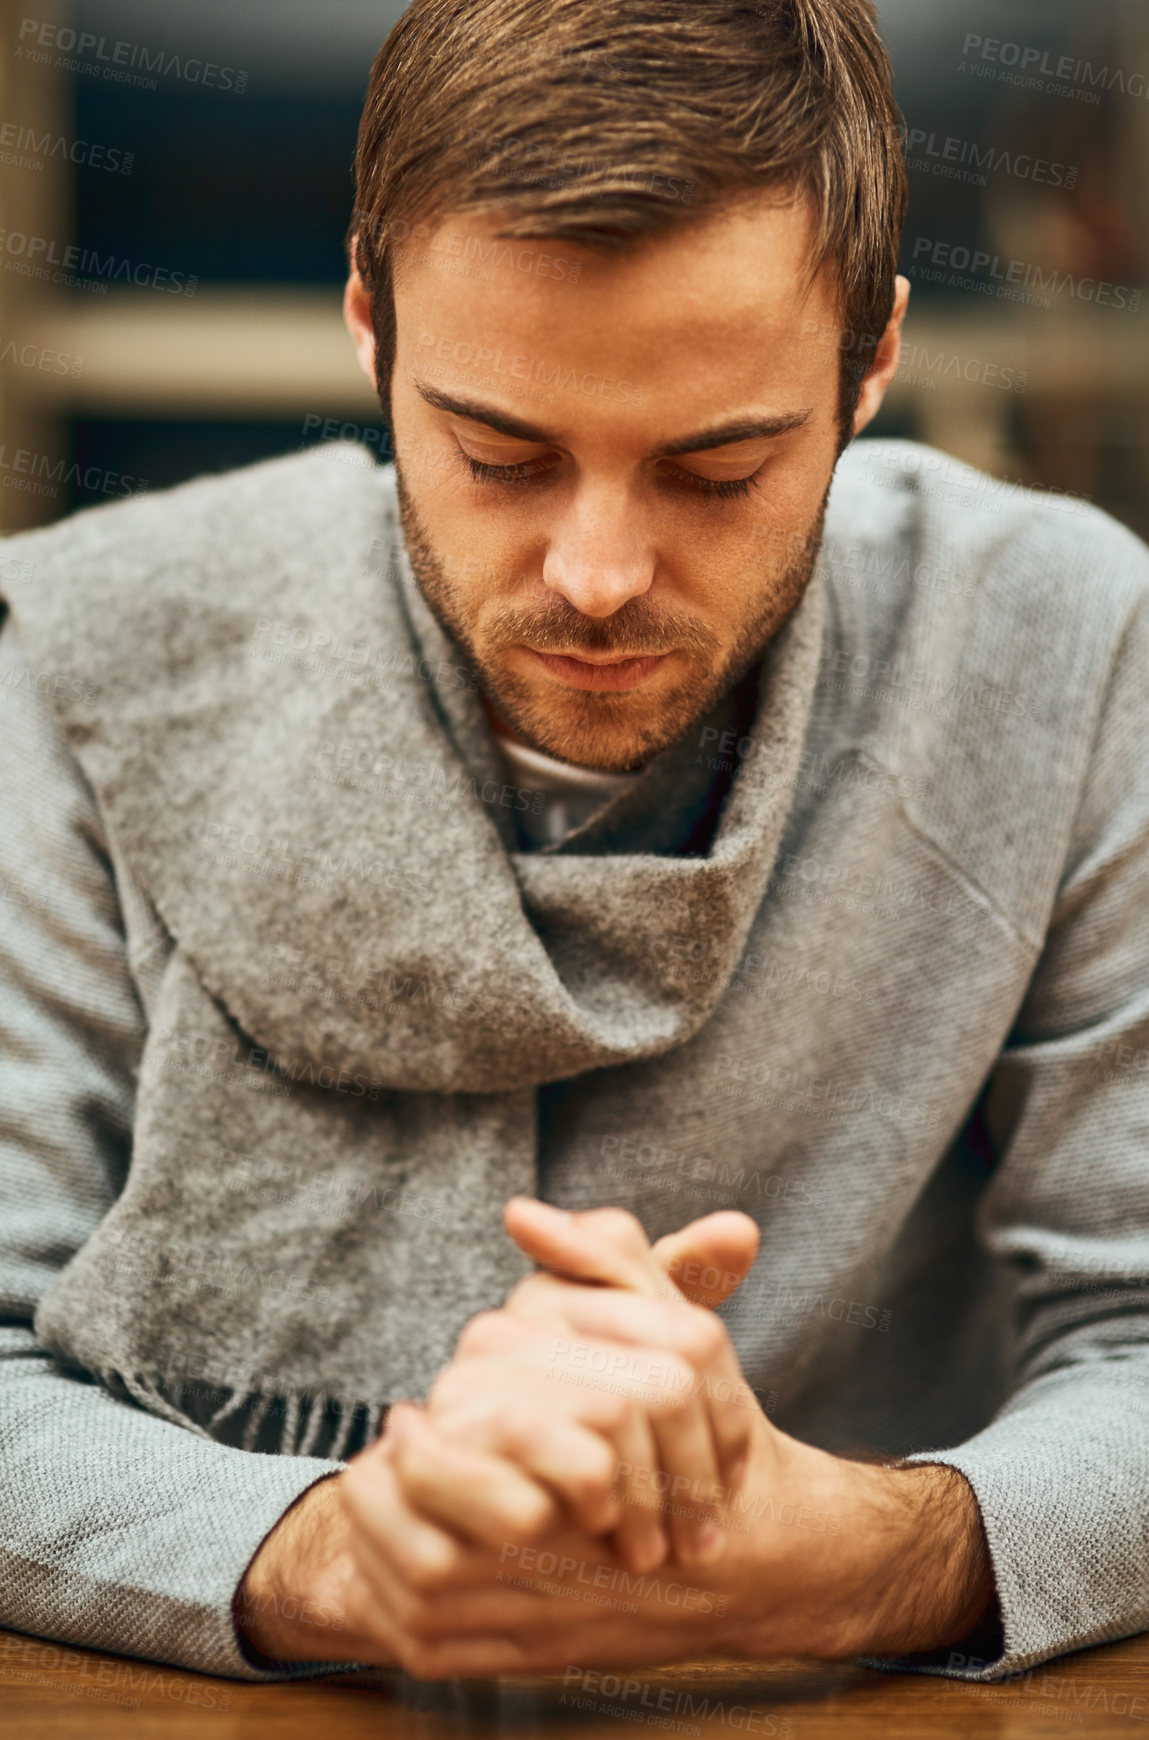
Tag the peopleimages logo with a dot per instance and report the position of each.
(921, 367)
(123, 62)
(991, 274)
(24, 148)
(967, 160)
(1035, 66)
(40, 474)
(35, 256)
(39, 356)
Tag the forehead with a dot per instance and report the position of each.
(710, 310)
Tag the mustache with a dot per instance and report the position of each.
(638, 629)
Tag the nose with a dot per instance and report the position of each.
(599, 553)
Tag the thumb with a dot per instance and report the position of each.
(708, 1259)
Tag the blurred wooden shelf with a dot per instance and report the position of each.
(224, 353)
(1059, 352)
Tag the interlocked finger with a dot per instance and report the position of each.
(489, 1500)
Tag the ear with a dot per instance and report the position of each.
(886, 358)
(357, 314)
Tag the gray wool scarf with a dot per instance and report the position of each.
(372, 1017)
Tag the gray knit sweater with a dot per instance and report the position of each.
(926, 1075)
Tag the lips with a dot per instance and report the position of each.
(617, 674)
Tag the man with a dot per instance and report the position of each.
(597, 807)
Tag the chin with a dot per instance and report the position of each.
(610, 732)
(612, 738)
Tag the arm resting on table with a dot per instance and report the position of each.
(118, 1530)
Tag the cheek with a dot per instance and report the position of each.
(788, 510)
(482, 551)
(734, 560)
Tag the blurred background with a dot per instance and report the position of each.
(175, 182)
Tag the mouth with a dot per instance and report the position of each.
(602, 674)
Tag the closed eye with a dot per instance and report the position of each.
(730, 486)
(523, 471)
(529, 471)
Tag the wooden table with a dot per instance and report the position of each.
(48, 1690)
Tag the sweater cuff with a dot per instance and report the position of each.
(147, 1560)
(200, 1631)
(1061, 1570)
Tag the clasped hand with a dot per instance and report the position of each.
(568, 1491)
(603, 1400)
(591, 1481)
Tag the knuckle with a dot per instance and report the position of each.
(533, 1296)
(463, 1386)
(426, 1572)
(633, 1413)
(704, 1337)
(526, 1517)
(520, 1425)
(419, 1579)
(361, 1614)
(483, 1334)
(596, 1479)
(452, 1383)
(357, 1484)
(613, 1413)
(406, 1468)
(400, 1609)
(521, 1298)
(677, 1384)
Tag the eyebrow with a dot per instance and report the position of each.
(723, 435)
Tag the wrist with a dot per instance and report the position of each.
(289, 1606)
(920, 1571)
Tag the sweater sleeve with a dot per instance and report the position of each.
(117, 1529)
(1062, 1473)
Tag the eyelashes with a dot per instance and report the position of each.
(514, 474)
(532, 469)
(707, 486)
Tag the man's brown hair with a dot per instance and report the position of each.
(602, 121)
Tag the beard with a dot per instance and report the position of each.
(611, 732)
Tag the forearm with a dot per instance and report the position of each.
(119, 1530)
